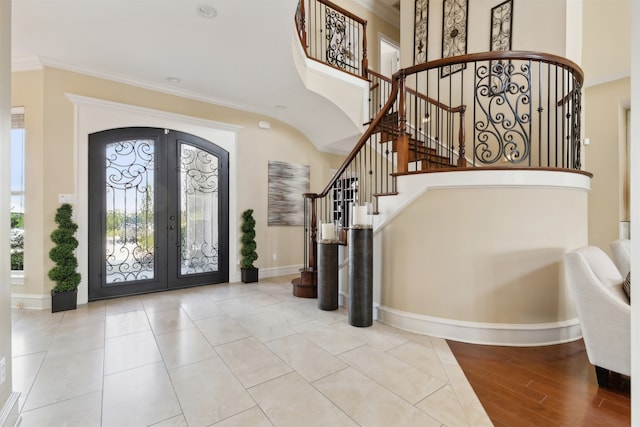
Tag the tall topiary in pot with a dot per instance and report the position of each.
(248, 251)
(63, 273)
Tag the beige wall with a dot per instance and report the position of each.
(605, 126)
(498, 262)
(606, 65)
(51, 150)
(606, 40)
(527, 16)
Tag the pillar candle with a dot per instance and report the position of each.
(328, 231)
(359, 215)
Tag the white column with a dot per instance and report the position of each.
(8, 399)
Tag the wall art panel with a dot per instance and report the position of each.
(287, 183)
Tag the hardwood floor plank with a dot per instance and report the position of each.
(549, 385)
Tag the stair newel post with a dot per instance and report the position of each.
(365, 60)
(313, 230)
(306, 286)
(462, 160)
(402, 143)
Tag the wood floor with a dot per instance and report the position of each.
(543, 386)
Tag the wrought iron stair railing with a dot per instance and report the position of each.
(333, 35)
(513, 110)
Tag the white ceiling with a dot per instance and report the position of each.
(242, 58)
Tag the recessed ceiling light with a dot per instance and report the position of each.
(173, 80)
(207, 11)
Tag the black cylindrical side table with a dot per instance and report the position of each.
(361, 276)
(327, 275)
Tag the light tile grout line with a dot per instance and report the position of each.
(446, 360)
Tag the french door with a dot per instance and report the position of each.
(158, 212)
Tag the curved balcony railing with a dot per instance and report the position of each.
(485, 110)
(333, 35)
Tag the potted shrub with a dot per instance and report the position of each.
(248, 250)
(63, 273)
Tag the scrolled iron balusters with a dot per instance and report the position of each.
(337, 51)
(576, 137)
(503, 97)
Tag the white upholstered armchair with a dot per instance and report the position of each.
(621, 255)
(603, 310)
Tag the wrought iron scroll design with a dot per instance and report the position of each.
(129, 220)
(454, 33)
(341, 41)
(421, 31)
(199, 243)
(501, 26)
(575, 125)
(503, 113)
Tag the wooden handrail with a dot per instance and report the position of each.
(343, 11)
(399, 77)
(447, 108)
(496, 56)
(363, 140)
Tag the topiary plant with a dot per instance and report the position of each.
(64, 273)
(248, 250)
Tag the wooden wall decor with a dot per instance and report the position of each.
(454, 33)
(501, 26)
(287, 183)
(420, 31)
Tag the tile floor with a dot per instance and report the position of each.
(231, 355)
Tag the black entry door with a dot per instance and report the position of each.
(158, 212)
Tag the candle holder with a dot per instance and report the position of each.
(361, 216)
(328, 232)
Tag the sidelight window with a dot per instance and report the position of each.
(17, 192)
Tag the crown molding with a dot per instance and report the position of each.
(29, 63)
(35, 63)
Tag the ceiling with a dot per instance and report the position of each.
(236, 53)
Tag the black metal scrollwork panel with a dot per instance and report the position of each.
(503, 113)
(454, 33)
(341, 40)
(421, 31)
(501, 25)
(199, 211)
(129, 205)
(576, 138)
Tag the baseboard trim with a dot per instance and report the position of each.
(516, 335)
(43, 302)
(31, 301)
(10, 414)
(280, 271)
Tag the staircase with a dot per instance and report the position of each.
(519, 118)
(418, 150)
(512, 109)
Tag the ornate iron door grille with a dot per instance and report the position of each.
(158, 212)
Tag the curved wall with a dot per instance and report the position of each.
(478, 257)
